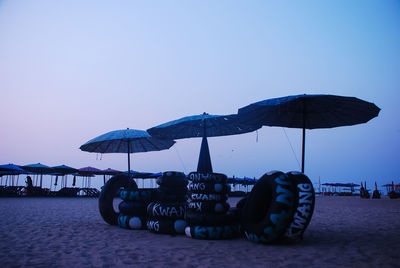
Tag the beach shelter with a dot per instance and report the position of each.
(87, 173)
(109, 172)
(203, 126)
(10, 170)
(39, 169)
(63, 171)
(309, 112)
(126, 141)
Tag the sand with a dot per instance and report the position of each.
(60, 232)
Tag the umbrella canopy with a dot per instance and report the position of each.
(38, 169)
(110, 171)
(126, 141)
(138, 174)
(63, 169)
(89, 171)
(12, 168)
(309, 112)
(204, 125)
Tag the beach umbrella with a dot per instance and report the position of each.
(39, 169)
(86, 173)
(204, 125)
(309, 112)
(126, 141)
(63, 169)
(110, 171)
(89, 171)
(11, 169)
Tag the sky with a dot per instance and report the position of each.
(73, 70)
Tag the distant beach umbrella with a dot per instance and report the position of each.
(309, 112)
(204, 125)
(110, 171)
(39, 169)
(89, 171)
(11, 169)
(63, 169)
(126, 141)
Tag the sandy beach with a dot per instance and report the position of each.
(60, 232)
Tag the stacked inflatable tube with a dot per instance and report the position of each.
(166, 214)
(207, 213)
(133, 207)
(109, 191)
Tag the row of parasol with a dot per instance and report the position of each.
(297, 111)
(62, 170)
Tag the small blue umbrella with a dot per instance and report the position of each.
(204, 125)
(309, 112)
(11, 169)
(126, 141)
(63, 169)
(39, 169)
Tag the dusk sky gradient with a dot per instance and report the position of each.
(73, 70)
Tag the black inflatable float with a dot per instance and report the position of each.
(267, 213)
(172, 179)
(207, 177)
(209, 188)
(304, 205)
(212, 232)
(229, 218)
(208, 197)
(209, 207)
(109, 191)
(137, 208)
(166, 226)
(131, 222)
(145, 194)
(175, 210)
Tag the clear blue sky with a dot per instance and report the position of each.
(72, 70)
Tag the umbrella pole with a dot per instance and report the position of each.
(129, 164)
(129, 160)
(204, 164)
(303, 150)
(304, 136)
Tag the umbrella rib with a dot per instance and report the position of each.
(149, 141)
(108, 146)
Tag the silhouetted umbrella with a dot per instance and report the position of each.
(126, 141)
(63, 169)
(204, 125)
(309, 112)
(110, 171)
(89, 171)
(11, 169)
(39, 169)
